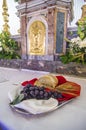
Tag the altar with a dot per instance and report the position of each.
(43, 28)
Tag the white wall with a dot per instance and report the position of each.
(14, 20)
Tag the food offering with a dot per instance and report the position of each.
(42, 95)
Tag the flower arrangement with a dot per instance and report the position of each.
(9, 48)
(77, 46)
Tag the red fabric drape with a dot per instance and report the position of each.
(61, 80)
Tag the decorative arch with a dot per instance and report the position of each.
(37, 36)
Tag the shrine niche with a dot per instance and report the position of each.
(43, 28)
(36, 37)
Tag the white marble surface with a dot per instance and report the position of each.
(71, 116)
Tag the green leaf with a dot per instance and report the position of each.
(18, 99)
(9, 47)
(82, 35)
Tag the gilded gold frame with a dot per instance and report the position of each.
(37, 35)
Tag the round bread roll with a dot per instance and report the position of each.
(48, 81)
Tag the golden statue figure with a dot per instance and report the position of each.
(37, 38)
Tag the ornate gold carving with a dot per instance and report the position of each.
(37, 33)
(83, 14)
(83, 11)
(5, 17)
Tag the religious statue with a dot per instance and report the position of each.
(37, 38)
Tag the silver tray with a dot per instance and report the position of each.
(22, 111)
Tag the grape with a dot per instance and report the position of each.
(41, 97)
(31, 88)
(41, 88)
(25, 89)
(45, 95)
(50, 93)
(36, 92)
(55, 94)
(32, 91)
(35, 87)
(28, 85)
(59, 95)
(41, 92)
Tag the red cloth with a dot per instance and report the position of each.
(61, 80)
(29, 82)
(66, 97)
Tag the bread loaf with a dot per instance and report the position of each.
(48, 81)
(69, 88)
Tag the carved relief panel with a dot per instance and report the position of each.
(37, 33)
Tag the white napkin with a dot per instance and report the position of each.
(14, 92)
(33, 106)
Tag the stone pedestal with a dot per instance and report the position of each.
(54, 16)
